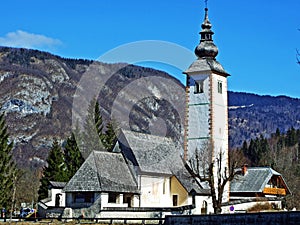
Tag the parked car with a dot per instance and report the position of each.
(25, 212)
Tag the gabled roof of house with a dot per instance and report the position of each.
(255, 180)
(103, 172)
(57, 184)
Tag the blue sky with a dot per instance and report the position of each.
(257, 40)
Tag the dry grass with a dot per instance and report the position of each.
(260, 207)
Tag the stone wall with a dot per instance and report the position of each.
(274, 218)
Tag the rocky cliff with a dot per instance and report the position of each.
(38, 92)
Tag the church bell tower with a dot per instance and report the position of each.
(206, 121)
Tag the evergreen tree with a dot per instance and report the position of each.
(110, 136)
(8, 169)
(277, 133)
(258, 152)
(98, 121)
(73, 157)
(55, 170)
(245, 148)
(93, 137)
(291, 137)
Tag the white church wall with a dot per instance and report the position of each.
(155, 191)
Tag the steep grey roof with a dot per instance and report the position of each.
(254, 180)
(57, 184)
(191, 184)
(103, 172)
(209, 64)
(158, 155)
(151, 153)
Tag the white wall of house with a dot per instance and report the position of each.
(120, 200)
(52, 196)
(105, 201)
(155, 191)
(203, 205)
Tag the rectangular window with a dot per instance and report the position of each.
(164, 186)
(175, 200)
(112, 197)
(127, 198)
(220, 87)
(198, 87)
(83, 197)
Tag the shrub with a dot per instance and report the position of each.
(260, 207)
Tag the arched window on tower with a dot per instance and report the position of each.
(198, 87)
(220, 87)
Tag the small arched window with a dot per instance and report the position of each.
(204, 207)
(199, 87)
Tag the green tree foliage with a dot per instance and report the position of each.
(95, 138)
(8, 168)
(98, 120)
(56, 169)
(257, 152)
(72, 156)
(291, 137)
(110, 136)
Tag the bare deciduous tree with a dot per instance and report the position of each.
(212, 170)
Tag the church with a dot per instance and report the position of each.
(149, 177)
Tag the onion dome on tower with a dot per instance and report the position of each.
(206, 51)
(206, 48)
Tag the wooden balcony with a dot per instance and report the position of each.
(274, 191)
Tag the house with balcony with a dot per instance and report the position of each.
(257, 184)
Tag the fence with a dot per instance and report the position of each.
(263, 218)
(108, 220)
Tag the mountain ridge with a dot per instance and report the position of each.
(37, 92)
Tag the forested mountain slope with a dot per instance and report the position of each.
(251, 115)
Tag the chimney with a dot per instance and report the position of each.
(244, 169)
